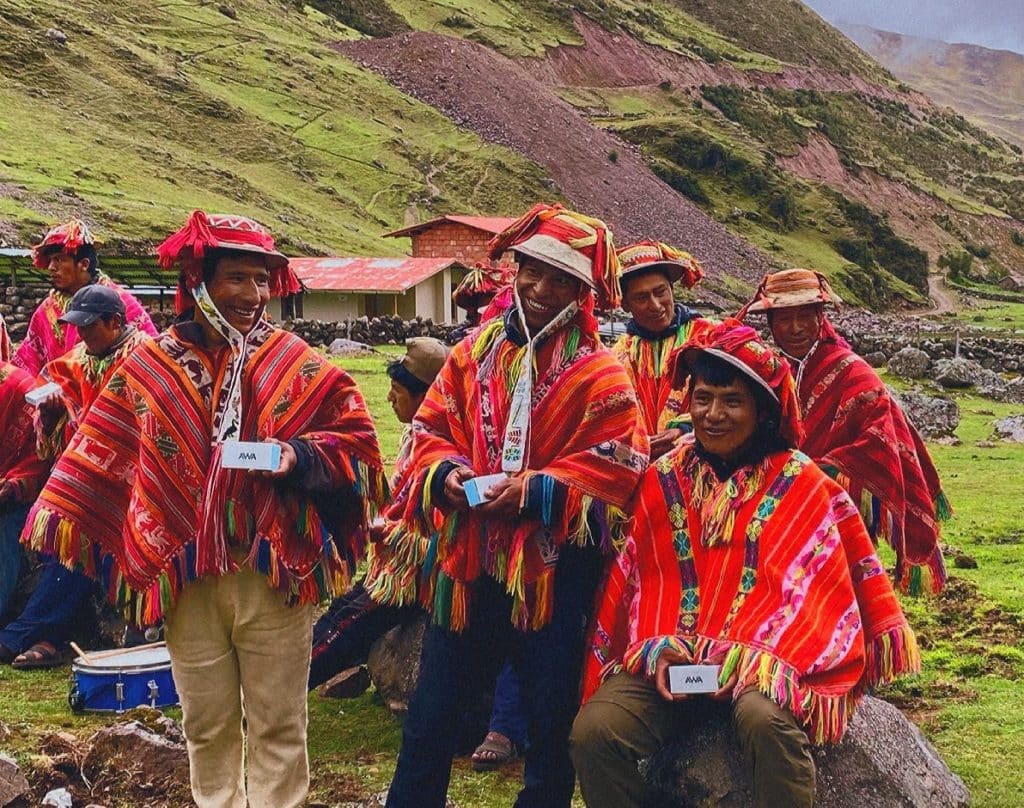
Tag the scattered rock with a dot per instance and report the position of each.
(1014, 391)
(957, 374)
(347, 347)
(1010, 428)
(934, 418)
(394, 663)
(909, 363)
(962, 561)
(985, 444)
(884, 761)
(13, 785)
(990, 385)
(346, 685)
(58, 798)
(876, 359)
(152, 759)
(56, 35)
(228, 12)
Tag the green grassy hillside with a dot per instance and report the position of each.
(151, 109)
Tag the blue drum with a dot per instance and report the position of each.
(115, 681)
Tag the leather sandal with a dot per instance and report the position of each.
(41, 655)
(496, 750)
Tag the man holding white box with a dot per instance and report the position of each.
(748, 578)
(232, 559)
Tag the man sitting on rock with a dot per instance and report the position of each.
(98, 313)
(657, 329)
(855, 429)
(68, 253)
(742, 553)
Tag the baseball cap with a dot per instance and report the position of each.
(90, 303)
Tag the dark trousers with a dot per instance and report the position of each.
(58, 598)
(508, 716)
(547, 664)
(11, 523)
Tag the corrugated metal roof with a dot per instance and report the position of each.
(489, 224)
(380, 275)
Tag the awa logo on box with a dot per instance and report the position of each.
(240, 454)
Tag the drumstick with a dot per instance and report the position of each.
(81, 653)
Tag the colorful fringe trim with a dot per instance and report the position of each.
(890, 656)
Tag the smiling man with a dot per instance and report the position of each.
(232, 560)
(68, 253)
(742, 553)
(855, 429)
(657, 329)
(534, 396)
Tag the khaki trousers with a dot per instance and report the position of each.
(627, 721)
(237, 650)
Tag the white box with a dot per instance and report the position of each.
(37, 394)
(693, 678)
(243, 454)
(476, 487)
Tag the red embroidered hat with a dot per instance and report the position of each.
(481, 284)
(644, 255)
(789, 288)
(576, 244)
(741, 347)
(209, 231)
(67, 237)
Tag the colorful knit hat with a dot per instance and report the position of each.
(67, 237)
(576, 244)
(205, 231)
(644, 255)
(741, 347)
(789, 288)
(481, 284)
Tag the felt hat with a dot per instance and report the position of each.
(67, 237)
(90, 303)
(424, 358)
(679, 266)
(789, 288)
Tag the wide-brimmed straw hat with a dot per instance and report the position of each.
(677, 265)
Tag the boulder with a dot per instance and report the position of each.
(155, 755)
(990, 385)
(1010, 428)
(348, 684)
(13, 785)
(347, 347)
(1014, 391)
(934, 417)
(909, 363)
(876, 359)
(883, 762)
(957, 373)
(394, 663)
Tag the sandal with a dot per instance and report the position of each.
(41, 655)
(496, 750)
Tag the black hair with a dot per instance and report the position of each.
(398, 372)
(85, 252)
(717, 372)
(624, 280)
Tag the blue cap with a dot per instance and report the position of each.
(90, 303)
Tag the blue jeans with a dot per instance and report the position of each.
(11, 523)
(547, 663)
(508, 716)
(58, 598)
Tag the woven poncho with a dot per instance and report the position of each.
(859, 434)
(47, 339)
(19, 464)
(126, 499)
(586, 435)
(788, 593)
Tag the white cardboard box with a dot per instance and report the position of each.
(476, 488)
(693, 678)
(254, 455)
(37, 394)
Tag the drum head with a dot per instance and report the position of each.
(128, 658)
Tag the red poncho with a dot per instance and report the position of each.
(784, 590)
(586, 434)
(126, 500)
(859, 434)
(19, 464)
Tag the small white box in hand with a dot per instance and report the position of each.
(253, 455)
(37, 394)
(693, 678)
(476, 488)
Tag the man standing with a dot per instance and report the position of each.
(743, 554)
(147, 498)
(855, 429)
(533, 397)
(657, 329)
(68, 252)
(21, 476)
(97, 311)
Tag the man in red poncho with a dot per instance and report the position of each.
(233, 560)
(533, 396)
(742, 553)
(855, 430)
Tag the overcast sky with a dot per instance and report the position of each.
(992, 23)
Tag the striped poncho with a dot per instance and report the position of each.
(786, 592)
(48, 339)
(649, 361)
(859, 435)
(587, 451)
(126, 499)
(19, 465)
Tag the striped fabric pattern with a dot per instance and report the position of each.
(792, 602)
(586, 433)
(19, 464)
(125, 501)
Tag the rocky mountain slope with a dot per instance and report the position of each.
(751, 132)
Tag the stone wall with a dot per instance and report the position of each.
(370, 330)
(17, 304)
(999, 355)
